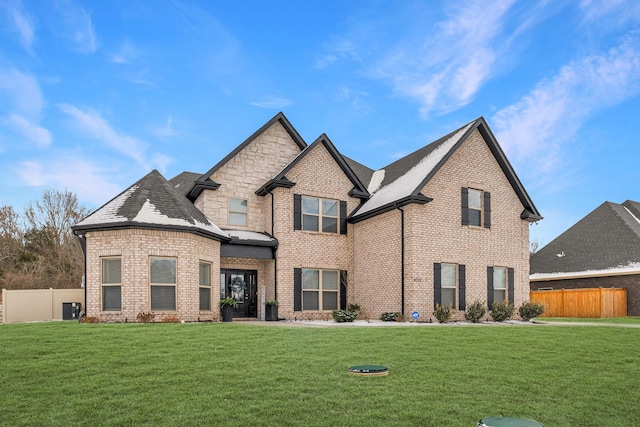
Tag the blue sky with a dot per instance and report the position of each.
(95, 94)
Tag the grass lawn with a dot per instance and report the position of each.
(70, 374)
(616, 320)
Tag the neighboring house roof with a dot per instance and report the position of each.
(152, 202)
(280, 180)
(606, 242)
(400, 182)
(204, 182)
(184, 181)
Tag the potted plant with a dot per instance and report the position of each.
(226, 308)
(271, 311)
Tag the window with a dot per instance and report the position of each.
(237, 212)
(111, 284)
(162, 272)
(319, 214)
(476, 208)
(319, 289)
(499, 284)
(449, 284)
(205, 286)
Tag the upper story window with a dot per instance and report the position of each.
(319, 214)
(476, 207)
(237, 212)
(111, 284)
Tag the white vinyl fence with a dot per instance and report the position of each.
(37, 305)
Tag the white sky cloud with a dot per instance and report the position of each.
(92, 125)
(272, 102)
(127, 53)
(73, 24)
(166, 130)
(21, 21)
(535, 128)
(76, 175)
(31, 131)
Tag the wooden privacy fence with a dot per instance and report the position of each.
(33, 305)
(591, 302)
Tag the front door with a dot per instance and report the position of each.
(241, 286)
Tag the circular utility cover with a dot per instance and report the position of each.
(507, 422)
(369, 370)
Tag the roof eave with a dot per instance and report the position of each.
(199, 186)
(419, 198)
(79, 229)
(273, 184)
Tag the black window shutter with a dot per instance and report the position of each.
(487, 209)
(465, 206)
(462, 272)
(489, 287)
(297, 289)
(343, 289)
(343, 217)
(437, 284)
(297, 212)
(510, 285)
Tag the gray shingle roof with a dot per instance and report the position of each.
(152, 202)
(607, 238)
(184, 181)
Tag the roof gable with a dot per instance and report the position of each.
(400, 182)
(607, 238)
(204, 182)
(152, 202)
(280, 180)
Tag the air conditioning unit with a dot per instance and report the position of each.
(71, 310)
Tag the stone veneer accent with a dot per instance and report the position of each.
(241, 176)
(135, 246)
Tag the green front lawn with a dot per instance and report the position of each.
(68, 374)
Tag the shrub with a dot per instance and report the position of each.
(341, 316)
(529, 310)
(501, 311)
(475, 312)
(354, 307)
(391, 317)
(442, 313)
(170, 319)
(274, 302)
(90, 319)
(145, 317)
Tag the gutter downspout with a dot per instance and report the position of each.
(402, 258)
(83, 244)
(275, 249)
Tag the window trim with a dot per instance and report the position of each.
(109, 285)
(165, 285)
(455, 287)
(203, 286)
(230, 211)
(320, 291)
(480, 210)
(484, 211)
(320, 215)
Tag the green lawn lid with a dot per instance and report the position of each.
(507, 422)
(369, 370)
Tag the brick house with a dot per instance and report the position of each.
(602, 250)
(278, 219)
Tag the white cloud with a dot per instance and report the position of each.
(73, 24)
(536, 128)
(31, 131)
(272, 102)
(127, 53)
(92, 125)
(162, 161)
(166, 130)
(21, 21)
(603, 12)
(77, 175)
